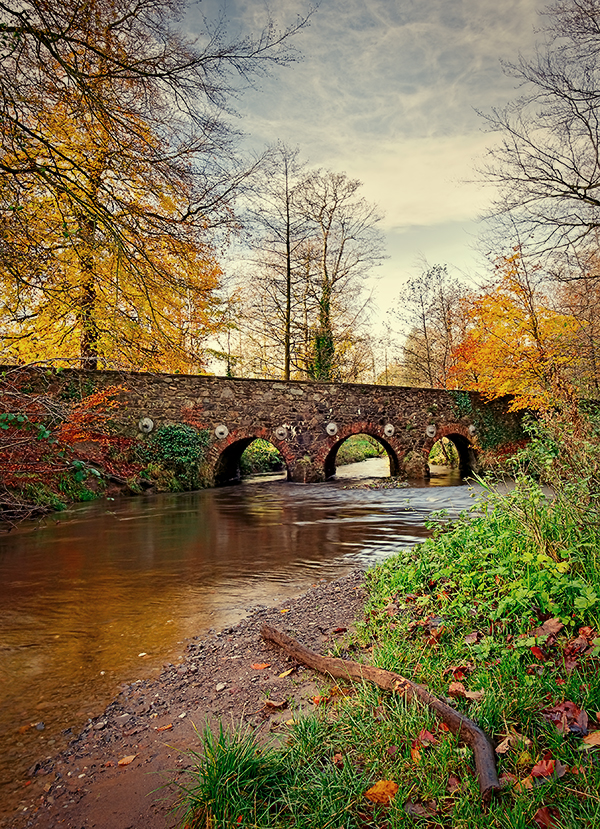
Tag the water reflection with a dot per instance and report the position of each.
(86, 593)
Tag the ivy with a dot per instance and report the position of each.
(174, 454)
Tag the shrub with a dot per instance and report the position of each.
(173, 455)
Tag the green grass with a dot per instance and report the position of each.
(461, 607)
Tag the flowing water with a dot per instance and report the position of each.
(104, 594)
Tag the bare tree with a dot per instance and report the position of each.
(347, 245)
(279, 232)
(306, 307)
(430, 315)
(547, 165)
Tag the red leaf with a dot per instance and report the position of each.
(426, 738)
(546, 818)
(538, 653)
(544, 767)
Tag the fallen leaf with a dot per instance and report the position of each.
(285, 610)
(507, 779)
(475, 695)
(276, 704)
(473, 638)
(550, 628)
(504, 746)
(560, 770)
(165, 727)
(382, 792)
(125, 761)
(286, 673)
(567, 717)
(544, 767)
(459, 672)
(456, 689)
(592, 739)
(260, 666)
(426, 738)
(339, 630)
(453, 784)
(538, 653)
(546, 818)
(513, 739)
(320, 700)
(338, 761)
(443, 727)
(524, 785)
(415, 753)
(418, 809)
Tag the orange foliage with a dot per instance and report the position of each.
(514, 343)
(90, 417)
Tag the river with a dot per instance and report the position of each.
(105, 593)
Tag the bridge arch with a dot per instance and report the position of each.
(224, 458)
(462, 439)
(373, 431)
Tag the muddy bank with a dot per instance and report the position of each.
(153, 720)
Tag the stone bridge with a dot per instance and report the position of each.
(307, 422)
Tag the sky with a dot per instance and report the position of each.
(388, 91)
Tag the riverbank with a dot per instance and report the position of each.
(153, 721)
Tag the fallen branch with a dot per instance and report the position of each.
(468, 731)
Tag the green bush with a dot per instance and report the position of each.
(173, 455)
(260, 456)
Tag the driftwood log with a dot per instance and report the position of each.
(468, 731)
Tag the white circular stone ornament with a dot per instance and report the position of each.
(146, 425)
(388, 430)
(431, 431)
(331, 429)
(221, 431)
(281, 432)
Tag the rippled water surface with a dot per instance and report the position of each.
(105, 594)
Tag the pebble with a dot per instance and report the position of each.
(221, 686)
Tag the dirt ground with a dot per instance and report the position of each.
(153, 720)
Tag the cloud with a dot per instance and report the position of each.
(388, 92)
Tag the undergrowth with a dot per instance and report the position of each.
(358, 448)
(260, 456)
(498, 613)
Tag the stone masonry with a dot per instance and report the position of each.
(307, 422)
